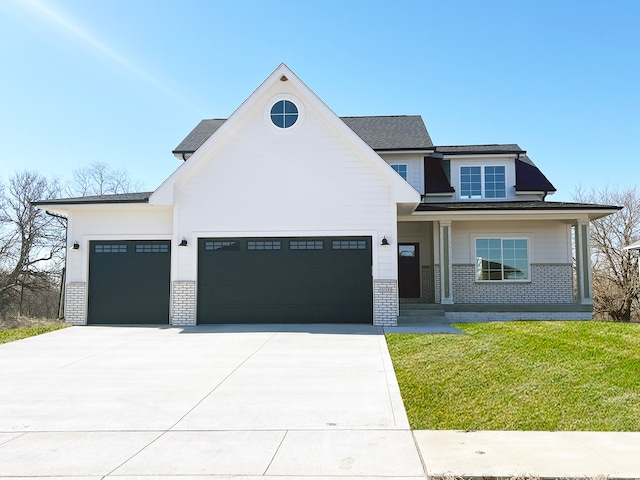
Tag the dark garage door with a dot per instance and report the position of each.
(129, 282)
(285, 280)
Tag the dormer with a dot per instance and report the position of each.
(483, 173)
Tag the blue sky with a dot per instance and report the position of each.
(124, 81)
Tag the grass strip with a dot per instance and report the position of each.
(571, 376)
(20, 333)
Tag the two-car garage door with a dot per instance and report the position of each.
(285, 280)
(240, 280)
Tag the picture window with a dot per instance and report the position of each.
(502, 259)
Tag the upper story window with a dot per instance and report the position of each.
(483, 182)
(284, 113)
(401, 168)
(502, 259)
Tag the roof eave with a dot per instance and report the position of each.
(540, 213)
(404, 150)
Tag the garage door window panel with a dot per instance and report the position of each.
(108, 248)
(228, 245)
(264, 245)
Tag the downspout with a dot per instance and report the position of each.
(64, 269)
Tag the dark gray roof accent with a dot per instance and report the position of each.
(199, 135)
(497, 148)
(400, 132)
(522, 205)
(140, 197)
(480, 149)
(435, 177)
(529, 178)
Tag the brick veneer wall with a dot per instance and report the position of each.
(550, 283)
(385, 302)
(75, 303)
(183, 304)
(470, 317)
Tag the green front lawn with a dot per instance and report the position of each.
(20, 333)
(580, 376)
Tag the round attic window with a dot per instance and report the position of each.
(284, 113)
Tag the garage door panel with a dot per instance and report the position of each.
(305, 281)
(129, 282)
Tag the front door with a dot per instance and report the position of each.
(408, 270)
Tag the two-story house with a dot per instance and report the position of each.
(285, 212)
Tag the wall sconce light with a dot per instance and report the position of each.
(75, 245)
(384, 241)
(183, 243)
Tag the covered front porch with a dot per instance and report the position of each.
(444, 261)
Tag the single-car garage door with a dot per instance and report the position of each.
(285, 280)
(129, 282)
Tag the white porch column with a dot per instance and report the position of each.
(446, 272)
(583, 263)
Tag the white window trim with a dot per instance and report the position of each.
(400, 164)
(267, 113)
(501, 238)
(482, 180)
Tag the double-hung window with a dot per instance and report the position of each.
(502, 259)
(401, 168)
(483, 182)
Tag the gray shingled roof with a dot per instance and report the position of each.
(199, 135)
(484, 149)
(140, 197)
(400, 132)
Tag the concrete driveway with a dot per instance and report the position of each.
(252, 401)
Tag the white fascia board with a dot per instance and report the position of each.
(633, 246)
(403, 152)
(478, 156)
(485, 215)
(443, 194)
(57, 209)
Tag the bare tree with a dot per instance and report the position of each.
(99, 179)
(31, 242)
(615, 271)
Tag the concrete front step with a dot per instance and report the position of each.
(420, 306)
(420, 313)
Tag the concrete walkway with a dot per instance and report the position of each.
(248, 402)
(488, 454)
